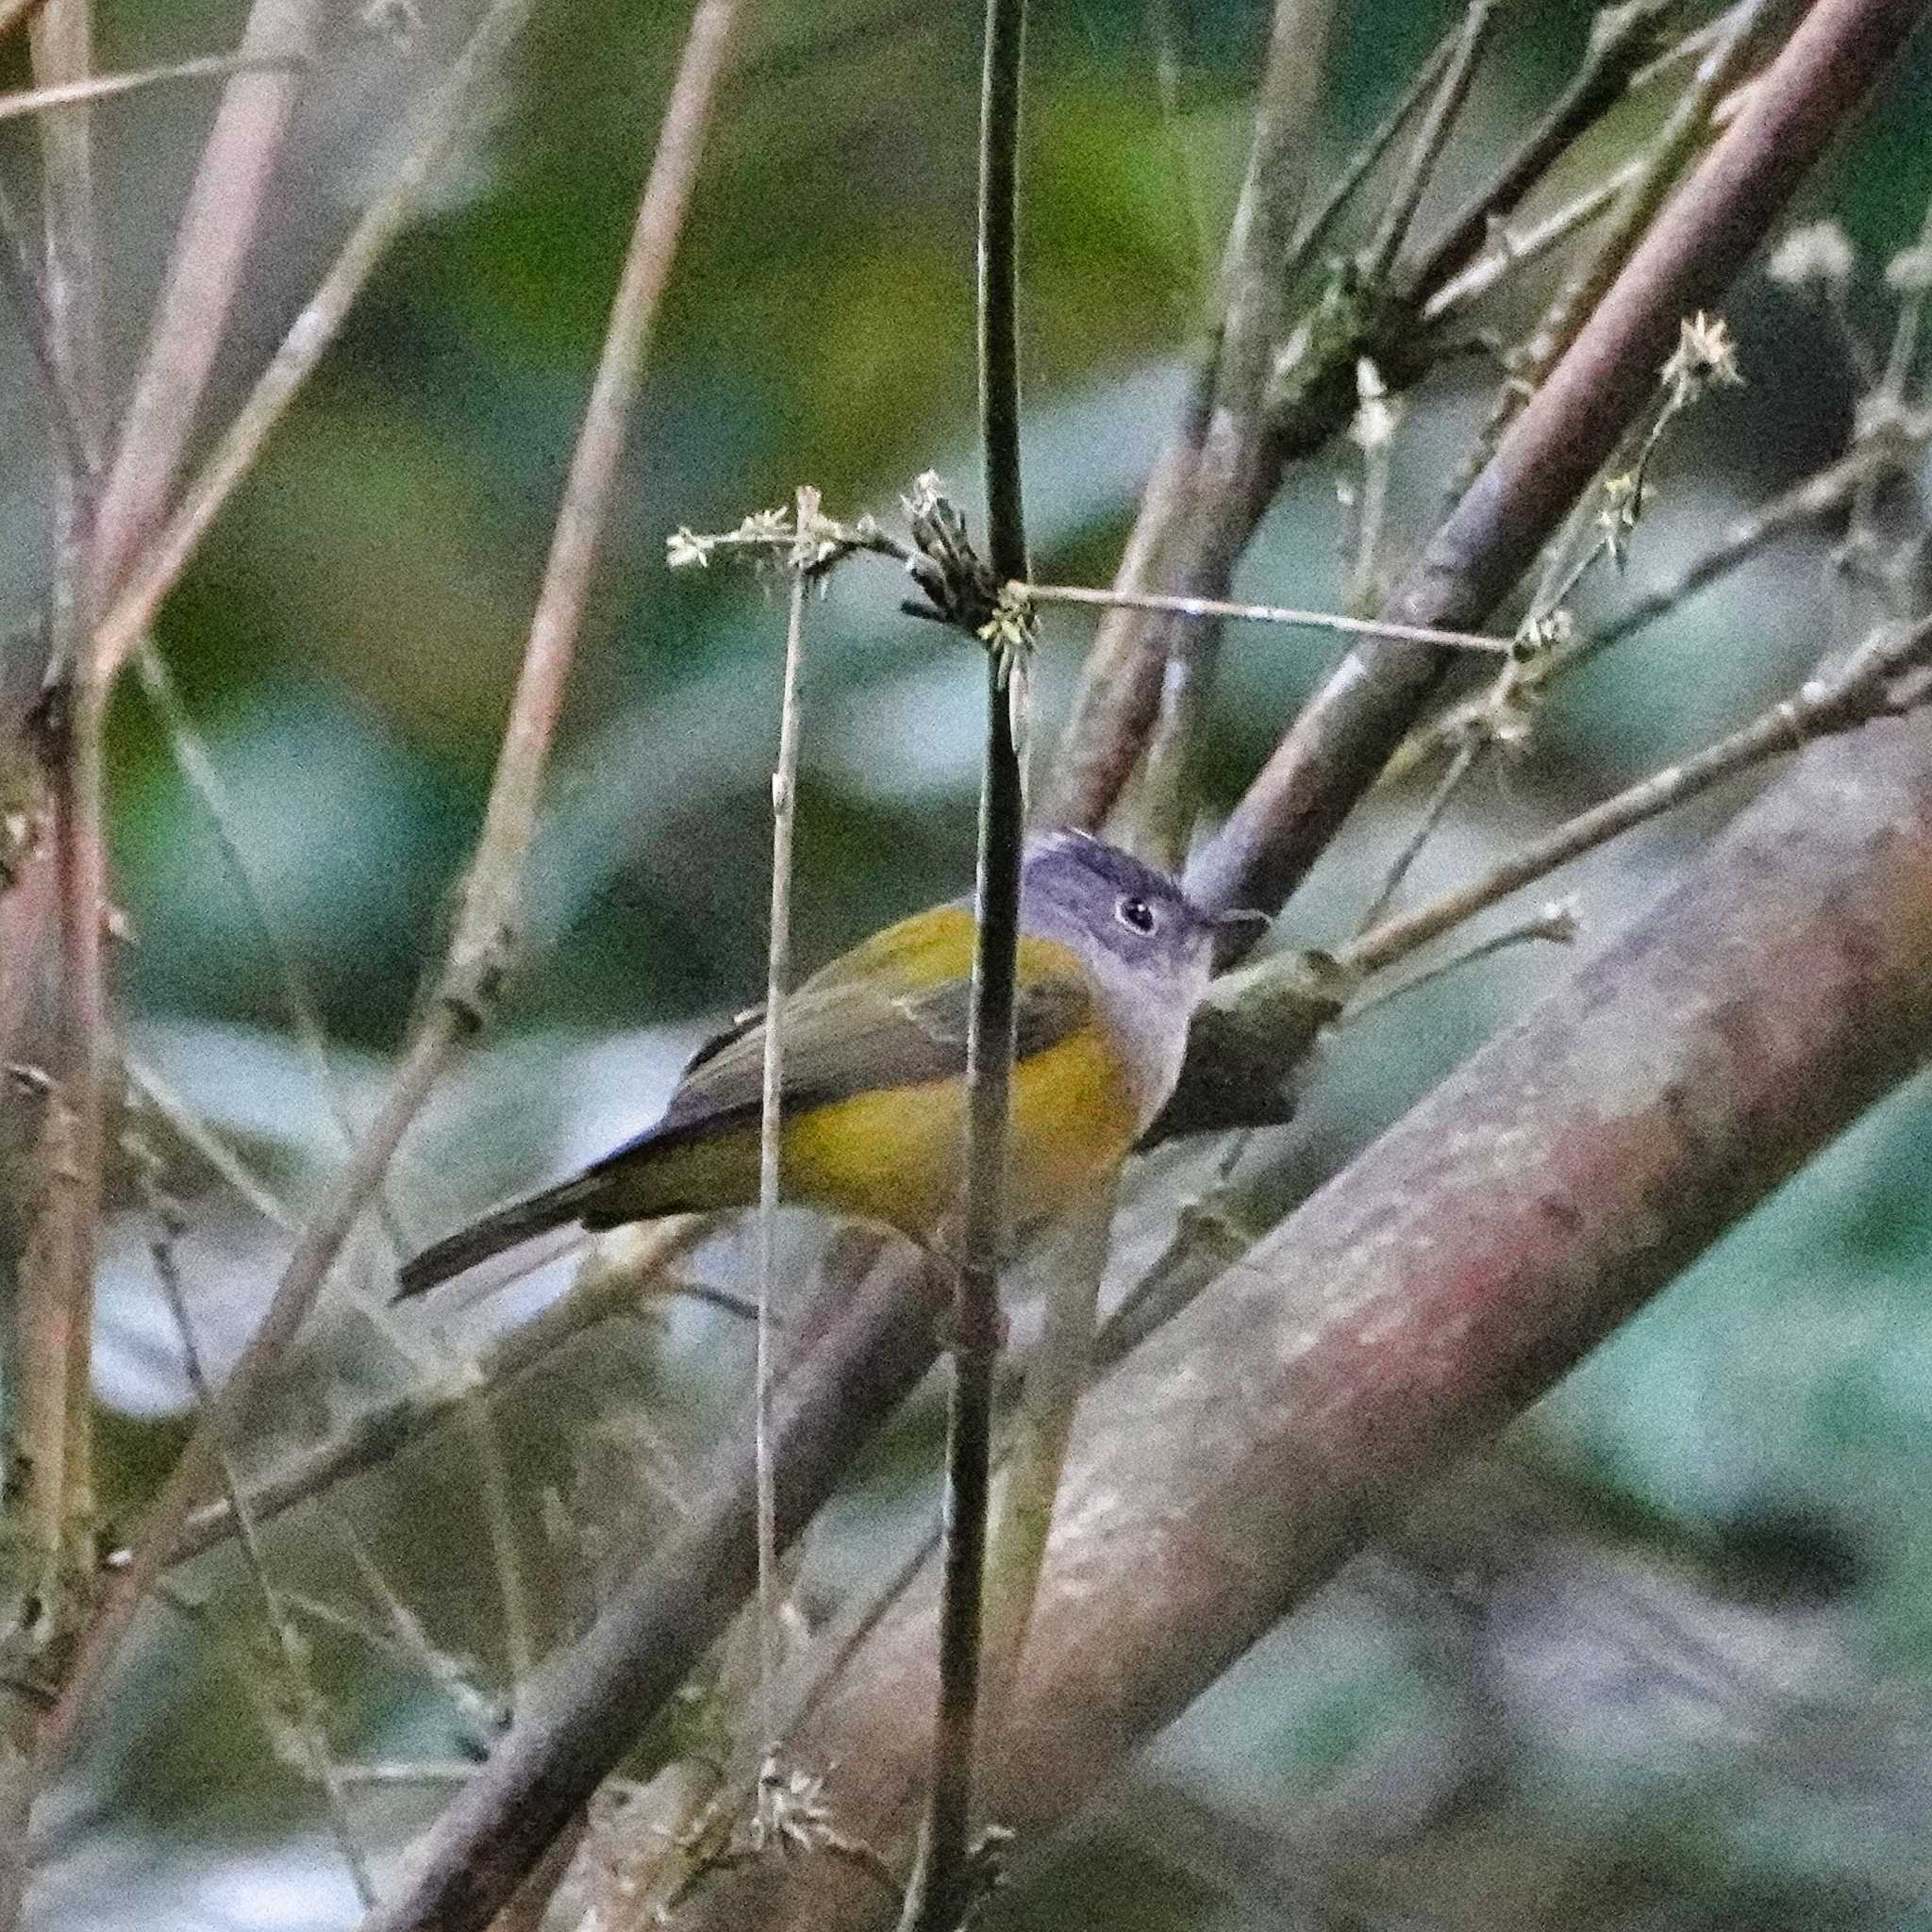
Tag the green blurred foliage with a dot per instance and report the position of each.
(346, 640)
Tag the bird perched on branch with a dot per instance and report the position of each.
(1112, 959)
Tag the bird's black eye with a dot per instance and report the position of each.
(1136, 914)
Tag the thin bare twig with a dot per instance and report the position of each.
(1605, 515)
(1915, 289)
(1049, 1406)
(305, 1703)
(1553, 650)
(449, 1020)
(1619, 37)
(1513, 250)
(228, 1412)
(67, 412)
(198, 765)
(1885, 408)
(61, 40)
(479, 1717)
(1814, 498)
(1424, 828)
(1867, 686)
(478, 950)
(1265, 613)
(1314, 230)
(492, 1481)
(771, 1121)
(380, 1434)
(1304, 397)
(1037, 1442)
(1689, 46)
(1256, 268)
(195, 1132)
(1242, 1029)
(1255, 280)
(1663, 163)
(28, 892)
(37, 876)
(48, 1477)
(104, 87)
(77, 437)
(1556, 924)
(1469, 280)
(1643, 187)
(1148, 673)
(1160, 31)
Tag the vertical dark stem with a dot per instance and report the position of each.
(999, 286)
(944, 1882)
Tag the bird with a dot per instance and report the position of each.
(1112, 959)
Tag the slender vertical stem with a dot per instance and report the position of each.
(1227, 464)
(1336, 196)
(778, 976)
(944, 1882)
(1887, 403)
(999, 287)
(1221, 465)
(48, 1477)
(1460, 762)
(61, 39)
(27, 849)
(1056, 1379)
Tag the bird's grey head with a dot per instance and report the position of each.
(1080, 889)
(1149, 948)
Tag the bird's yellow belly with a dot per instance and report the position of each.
(899, 1155)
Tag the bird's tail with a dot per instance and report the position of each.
(507, 1228)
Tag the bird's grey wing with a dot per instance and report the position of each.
(846, 1038)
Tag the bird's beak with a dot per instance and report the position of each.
(1242, 927)
(1235, 934)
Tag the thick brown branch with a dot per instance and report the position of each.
(1423, 1299)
